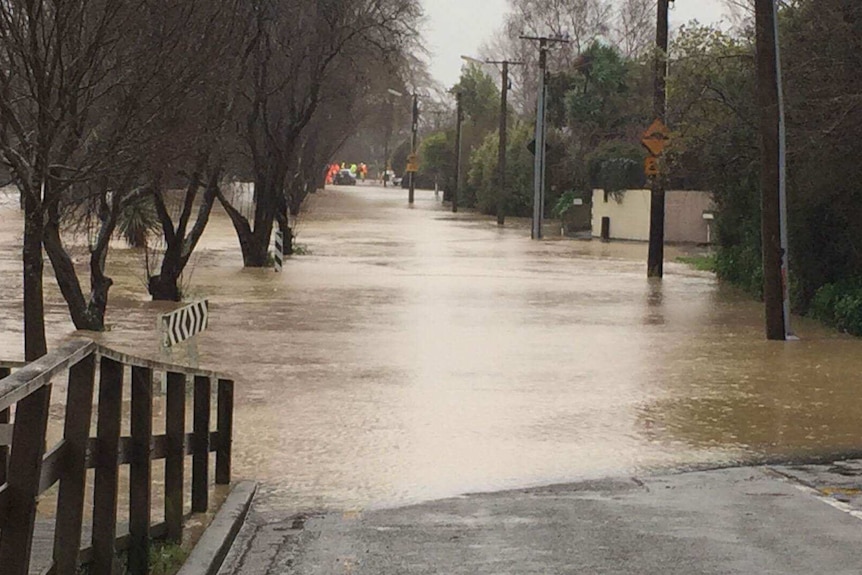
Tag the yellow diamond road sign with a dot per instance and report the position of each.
(412, 163)
(651, 167)
(656, 137)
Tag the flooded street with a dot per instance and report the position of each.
(414, 354)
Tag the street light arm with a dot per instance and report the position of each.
(473, 60)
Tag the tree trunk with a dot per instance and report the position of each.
(254, 242)
(35, 344)
(85, 315)
(164, 287)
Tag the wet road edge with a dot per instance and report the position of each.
(731, 520)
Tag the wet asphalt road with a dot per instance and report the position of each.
(741, 521)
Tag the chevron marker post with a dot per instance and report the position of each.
(185, 322)
(279, 250)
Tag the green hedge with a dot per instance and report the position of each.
(840, 305)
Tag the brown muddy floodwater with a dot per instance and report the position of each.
(417, 354)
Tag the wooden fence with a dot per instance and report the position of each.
(27, 470)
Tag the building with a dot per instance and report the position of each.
(687, 216)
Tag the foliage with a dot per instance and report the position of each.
(137, 221)
(482, 178)
(166, 558)
(565, 203)
(436, 155)
(840, 305)
(616, 165)
(301, 250)
(598, 98)
(480, 98)
(703, 263)
(598, 109)
(483, 172)
(480, 103)
(713, 114)
(716, 147)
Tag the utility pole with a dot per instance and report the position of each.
(458, 119)
(772, 175)
(502, 195)
(541, 108)
(504, 116)
(504, 113)
(655, 259)
(501, 161)
(413, 145)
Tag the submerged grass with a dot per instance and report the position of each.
(704, 263)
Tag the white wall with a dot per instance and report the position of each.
(630, 217)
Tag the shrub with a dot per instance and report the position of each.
(840, 305)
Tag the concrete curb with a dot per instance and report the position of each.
(212, 548)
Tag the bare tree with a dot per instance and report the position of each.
(581, 21)
(634, 31)
(193, 151)
(55, 58)
(89, 91)
(294, 53)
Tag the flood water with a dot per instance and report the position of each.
(415, 354)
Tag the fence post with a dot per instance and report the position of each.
(107, 471)
(25, 467)
(140, 472)
(70, 501)
(201, 444)
(225, 431)
(175, 427)
(4, 418)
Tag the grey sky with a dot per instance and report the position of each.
(458, 27)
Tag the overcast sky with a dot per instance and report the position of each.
(458, 27)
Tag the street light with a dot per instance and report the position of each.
(504, 113)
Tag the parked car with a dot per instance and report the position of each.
(344, 178)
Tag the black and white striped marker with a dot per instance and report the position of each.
(279, 250)
(183, 323)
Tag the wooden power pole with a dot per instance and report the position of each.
(504, 113)
(502, 195)
(459, 118)
(772, 174)
(413, 133)
(655, 259)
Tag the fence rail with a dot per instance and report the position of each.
(27, 470)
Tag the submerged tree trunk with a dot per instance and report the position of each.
(87, 313)
(35, 344)
(165, 286)
(255, 242)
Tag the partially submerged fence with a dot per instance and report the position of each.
(27, 470)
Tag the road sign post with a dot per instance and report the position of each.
(278, 252)
(655, 258)
(178, 329)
